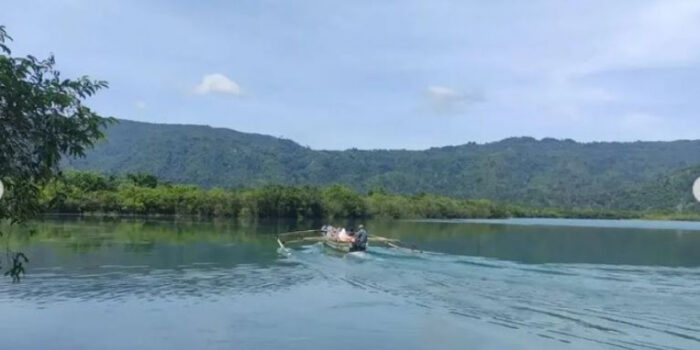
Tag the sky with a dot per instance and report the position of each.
(382, 74)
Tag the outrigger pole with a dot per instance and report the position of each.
(282, 235)
(293, 232)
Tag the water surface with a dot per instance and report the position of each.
(479, 285)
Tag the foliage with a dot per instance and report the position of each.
(143, 180)
(93, 193)
(42, 118)
(542, 173)
(17, 270)
(83, 192)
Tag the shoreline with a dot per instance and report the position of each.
(92, 194)
(642, 216)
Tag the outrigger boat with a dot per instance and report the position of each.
(353, 242)
(332, 243)
(328, 238)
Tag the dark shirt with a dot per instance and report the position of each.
(361, 238)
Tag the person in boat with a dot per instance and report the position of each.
(334, 233)
(330, 231)
(359, 242)
(344, 236)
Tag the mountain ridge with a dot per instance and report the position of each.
(546, 172)
(513, 139)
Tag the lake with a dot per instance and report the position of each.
(476, 284)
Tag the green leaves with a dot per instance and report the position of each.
(82, 192)
(42, 119)
(17, 268)
(546, 173)
(3, 39)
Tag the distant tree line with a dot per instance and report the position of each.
(143, 194)
(86, 192)
(542, 173)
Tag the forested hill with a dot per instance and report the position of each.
(544, 172)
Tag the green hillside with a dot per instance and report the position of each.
(669, 191)
(524, 170)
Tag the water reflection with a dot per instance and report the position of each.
(490, 286)
(552, 244)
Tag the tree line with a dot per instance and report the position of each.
(78, 192)
(531, 172)
(141, 194)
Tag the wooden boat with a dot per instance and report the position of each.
(340, 246)
(344, 247)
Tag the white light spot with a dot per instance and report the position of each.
(2, 189)
(696, 189)
(217, 83)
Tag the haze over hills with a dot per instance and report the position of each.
(548, 172)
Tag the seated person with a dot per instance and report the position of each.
(332, 232)
(360, 241)
(343, 236)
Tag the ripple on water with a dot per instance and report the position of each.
(553, 300)
(606, 306)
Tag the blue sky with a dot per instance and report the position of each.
(383, 74)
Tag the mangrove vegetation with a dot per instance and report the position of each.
(142, 194)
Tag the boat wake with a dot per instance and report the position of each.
(586, 306)
(596, 306)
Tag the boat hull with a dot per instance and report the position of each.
(344, 247)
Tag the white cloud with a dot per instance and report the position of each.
(659, 34)
(217, 83)
(653, 35)
(141, 104)
(445, 100)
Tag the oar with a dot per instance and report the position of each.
(392, 242)
(371, 239)
(296, 234)
(305, 239)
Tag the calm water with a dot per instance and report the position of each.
(517, 284)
